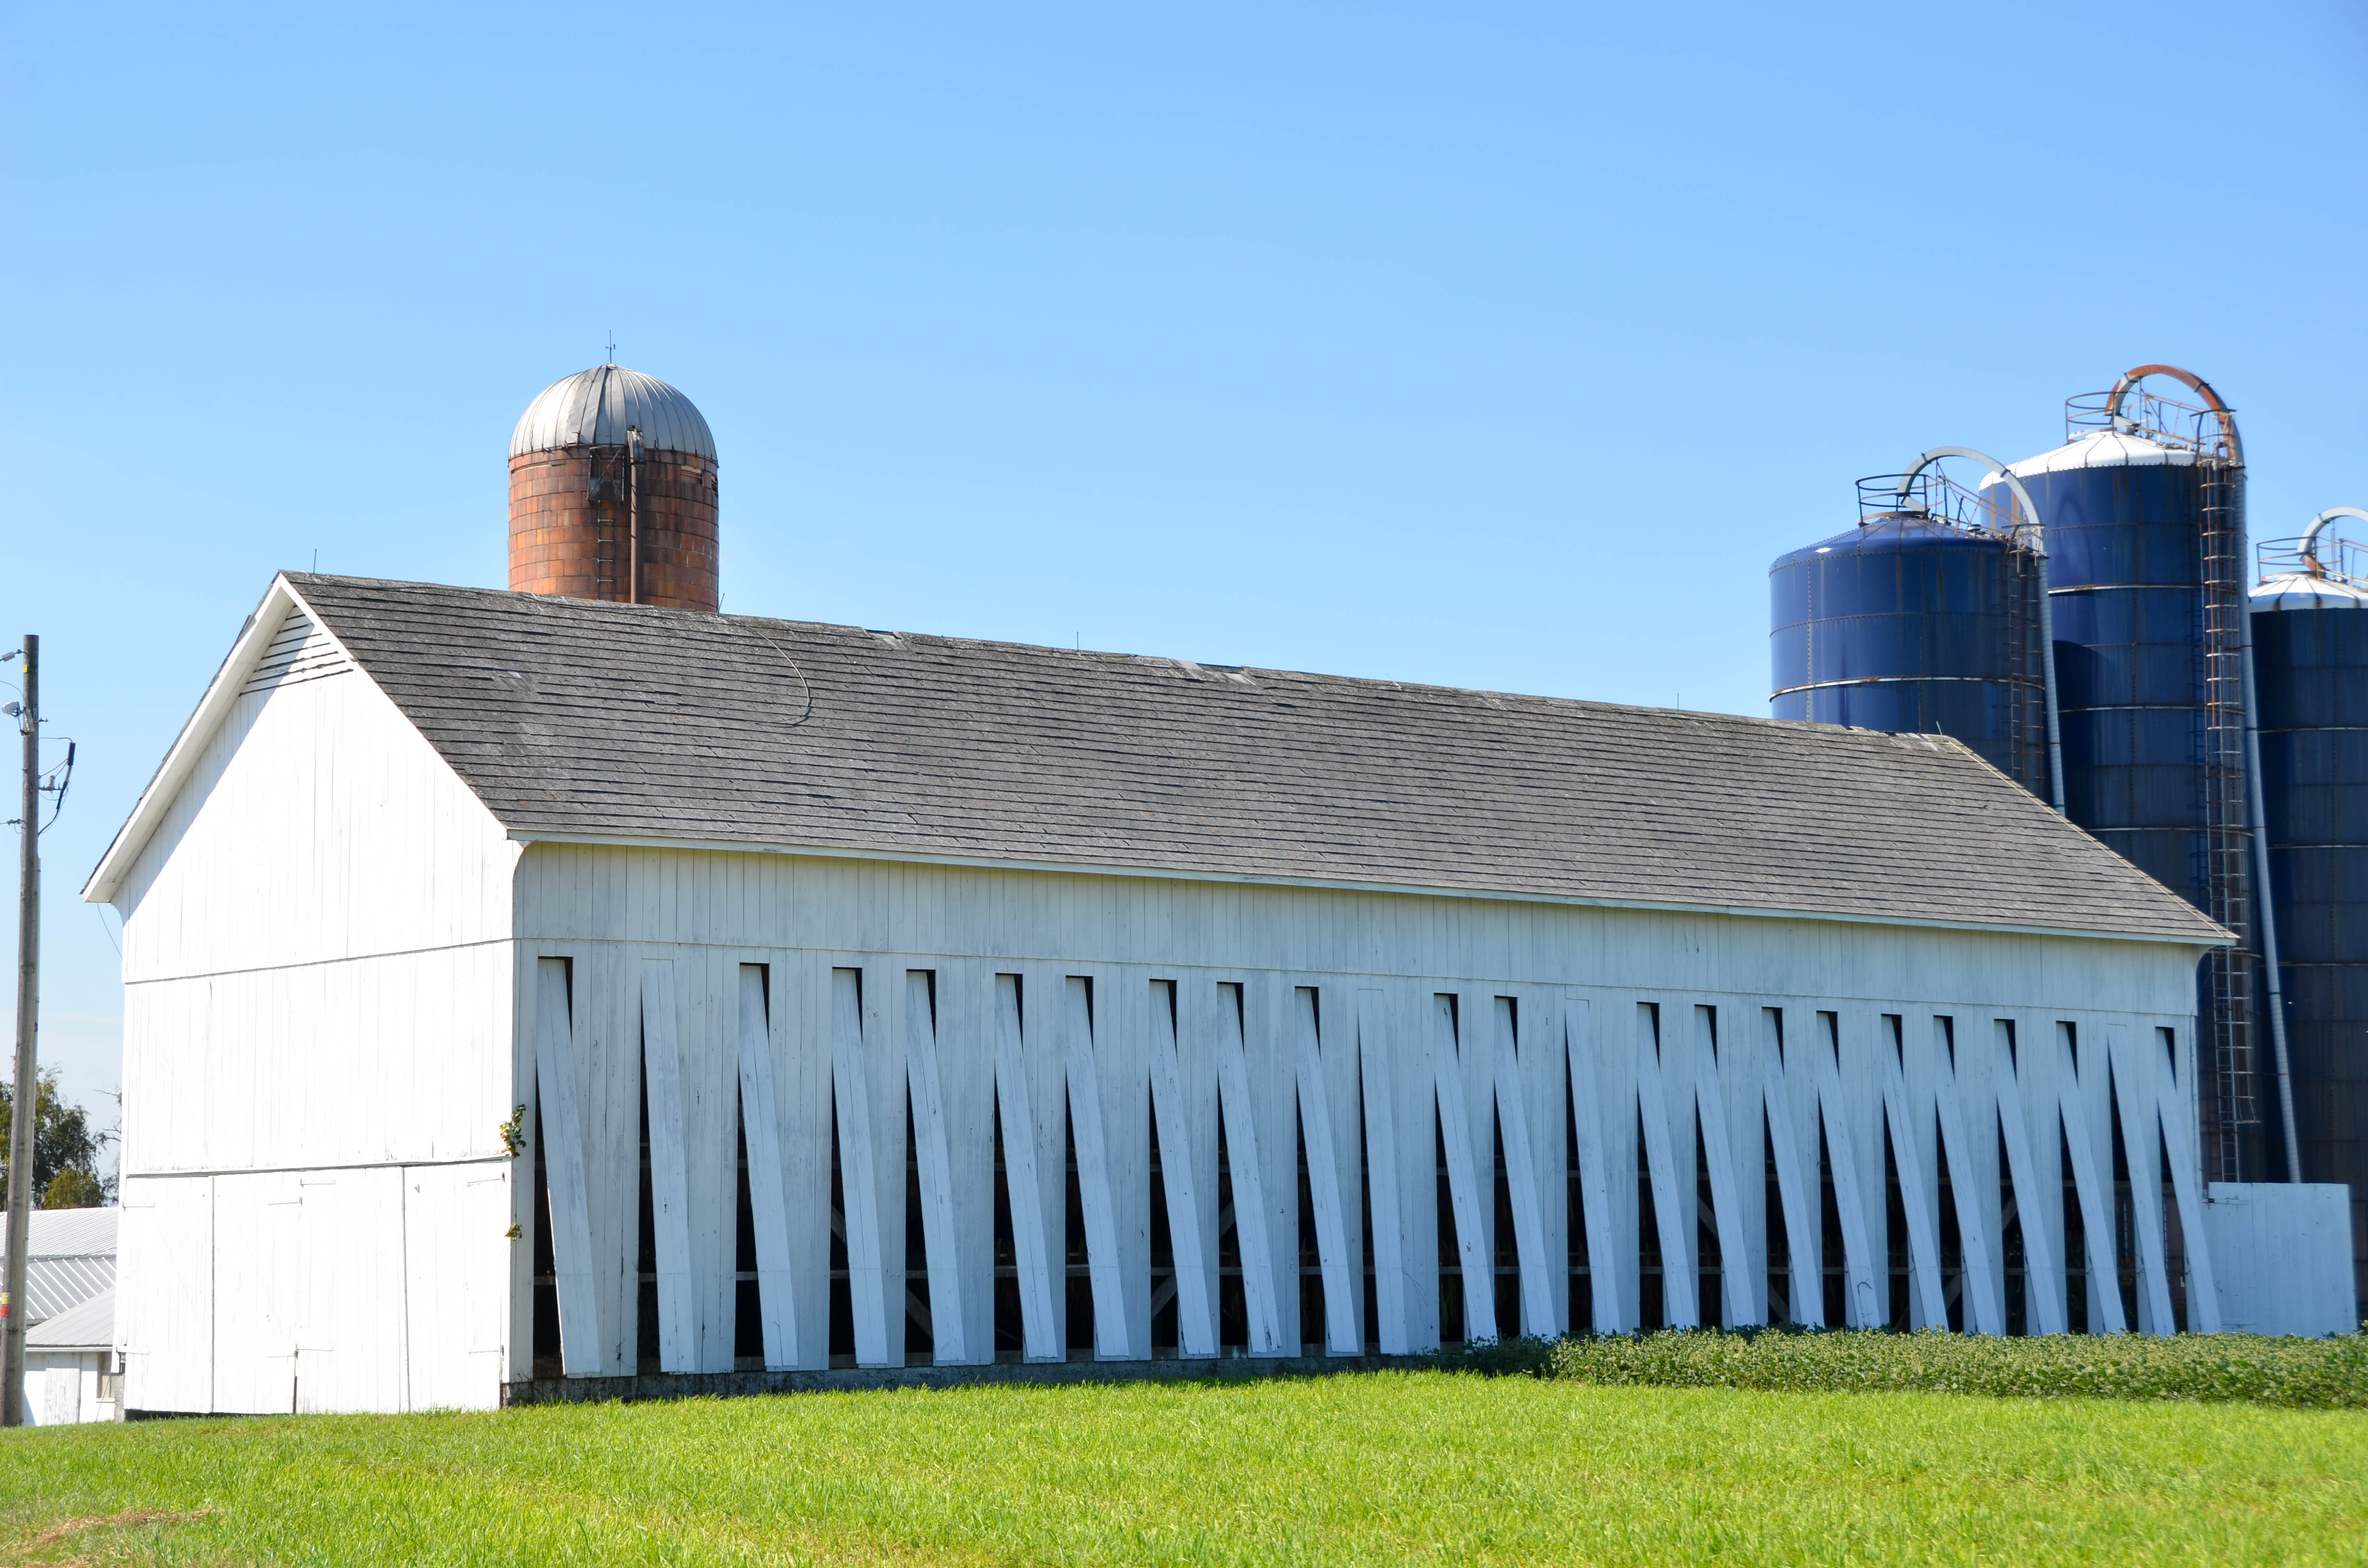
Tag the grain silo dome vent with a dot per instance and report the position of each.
(597, 407)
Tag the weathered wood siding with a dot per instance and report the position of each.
(1414, 1047)
(316, 1062)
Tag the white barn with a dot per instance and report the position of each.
(526, 994)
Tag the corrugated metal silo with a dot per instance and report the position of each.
(2310, 652)
(1915, 620)
(2143, 509)
(613, 494)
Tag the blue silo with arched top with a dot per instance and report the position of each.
(2124, 518)
(1912, 622)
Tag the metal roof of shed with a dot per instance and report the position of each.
(87, 1325)
(71, 1259)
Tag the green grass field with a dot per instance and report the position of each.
(1362, 1468)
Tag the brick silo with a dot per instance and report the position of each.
(612, 494)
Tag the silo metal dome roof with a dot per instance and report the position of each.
(595, 408)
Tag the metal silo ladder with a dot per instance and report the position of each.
(2236, 1123)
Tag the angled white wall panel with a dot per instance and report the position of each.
(1037, 1224)
(679, 1330)
(1398, 1311)
(768, 1208)
(2079, 1098)
(1603, 1098)
(1739, 1279)
(1107, 1266)
(1919, 1044)
(1964, 1101)
(1246, 1173)
(2034, 1168)
(1541, 1065)
(1979, 1275)
(1673, 1208)
(1920, 1191)
(1864, 1270)
(1856, 1102)
(1540, 1265)
(1334, 1184)
(951, 1321)
(965, 1042)
(1121, 999)
(1471, 1207)
(1185, 1174)
(2133, 1099)
(2175, 1106)
(802, 1003)
(1792, 1144)
(587, 1343)
(867, 1161)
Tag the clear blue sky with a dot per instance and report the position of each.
(1494, 346)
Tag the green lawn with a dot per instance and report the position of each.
(1391, 1466)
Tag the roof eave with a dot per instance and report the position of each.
(2201, 942)
(253, 638)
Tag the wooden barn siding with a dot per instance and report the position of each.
(316, 1061)
(1634, 997)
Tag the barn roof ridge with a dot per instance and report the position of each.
(578, 719)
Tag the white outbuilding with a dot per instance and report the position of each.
(526, 995)
(71, 1366)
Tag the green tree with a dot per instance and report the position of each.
(65, 1148)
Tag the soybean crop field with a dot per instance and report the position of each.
(1385, 1467)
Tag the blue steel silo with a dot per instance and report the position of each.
(1924, 617)
(2310, 657)
(2142, 510)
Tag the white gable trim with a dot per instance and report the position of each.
(2199, 945)
(230, 681)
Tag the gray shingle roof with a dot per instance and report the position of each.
(570, 717)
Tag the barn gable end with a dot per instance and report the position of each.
(315, 924)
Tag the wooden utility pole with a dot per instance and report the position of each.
(28, 1090)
